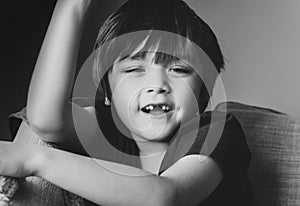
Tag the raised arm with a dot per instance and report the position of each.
(48, 107)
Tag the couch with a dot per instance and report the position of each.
(274, 173)
(274, 141)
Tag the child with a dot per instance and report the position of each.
(154, 86)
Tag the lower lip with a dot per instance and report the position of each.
(159, 115)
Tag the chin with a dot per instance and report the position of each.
(165, 135)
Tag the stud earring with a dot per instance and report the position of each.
(107, 101)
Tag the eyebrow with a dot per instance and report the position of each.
(142, 55)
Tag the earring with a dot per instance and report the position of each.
(107, 101)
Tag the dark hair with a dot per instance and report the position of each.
(173, 16)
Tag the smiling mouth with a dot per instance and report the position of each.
(157, 109)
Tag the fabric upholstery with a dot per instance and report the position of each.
(274, 141)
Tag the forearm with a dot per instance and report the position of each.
(53, 76)
(89, 179)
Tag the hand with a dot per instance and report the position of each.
(19, 160)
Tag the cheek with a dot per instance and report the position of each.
(125, 97)
(187, 95)
(122, 105)
(189, 104)
(119, 88)
(121, 96)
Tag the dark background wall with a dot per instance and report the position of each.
(23, 26)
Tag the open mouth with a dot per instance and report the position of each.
(157, 109)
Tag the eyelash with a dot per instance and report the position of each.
(180, 70)
(134, 69)
(177, 70)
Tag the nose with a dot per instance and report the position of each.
(159, 83)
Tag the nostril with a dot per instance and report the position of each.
(157, 90)
(162, 90)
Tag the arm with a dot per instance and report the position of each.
(84, 176)
(48, 107)
(93, 180)
(188, 182)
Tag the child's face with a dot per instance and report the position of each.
(153, 100)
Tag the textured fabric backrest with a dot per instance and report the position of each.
(274, 141)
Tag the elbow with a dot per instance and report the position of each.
(37, 122)
(44, 130)
(49, 124)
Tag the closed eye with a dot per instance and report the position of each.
(180, 70)
(134, 70)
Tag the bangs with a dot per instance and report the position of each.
(168, 48)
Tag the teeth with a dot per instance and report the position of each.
(165, 108)
(150, 108)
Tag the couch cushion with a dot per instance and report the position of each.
(274, 141)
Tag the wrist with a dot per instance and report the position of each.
(38, 161)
